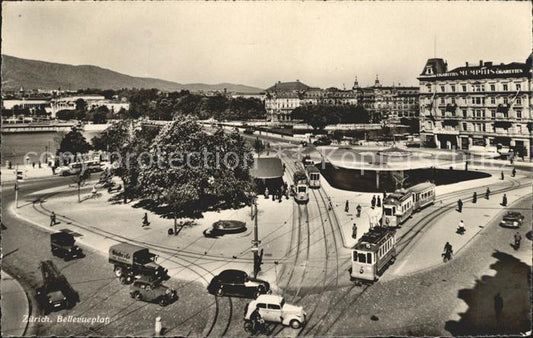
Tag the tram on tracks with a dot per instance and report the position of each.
(400, 205)
(313, 174)
(372, 254)
(301, 186)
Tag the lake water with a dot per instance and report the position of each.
(15, 146)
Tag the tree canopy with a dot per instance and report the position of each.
(73, 142)
(319, 116)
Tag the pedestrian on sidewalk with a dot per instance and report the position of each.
(498, 305)
(461, 229)
(354, 231)
(460, 205)
(52, 219)
(384, 195)
(358, 210)
(346, 206)
(513, 173)
(487, 193)
(33, 165)
(378, 204)
(39, 164)
(266, 192)
(502, 175)
(474, 198)
(373, 202)
(504, 200)
(145, 220)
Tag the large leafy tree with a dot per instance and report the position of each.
(74, 142)
(192, 171)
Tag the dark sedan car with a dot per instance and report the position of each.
(512, 219)
(237, 283)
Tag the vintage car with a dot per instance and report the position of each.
(322, 141)
(273, 309)
(153, 291)
(237, 283)
(512, 219)
(62, 245)
(223, 227)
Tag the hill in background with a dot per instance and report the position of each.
(33, 74)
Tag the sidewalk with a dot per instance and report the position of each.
(182, 254)
(8, 175)
(15, 307)
(426, 251)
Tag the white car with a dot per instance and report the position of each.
(273, 309)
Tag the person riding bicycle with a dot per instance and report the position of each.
(517, 239)
(257, 320)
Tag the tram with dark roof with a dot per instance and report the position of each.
(399, 205)
(372, 254)
(313, 174)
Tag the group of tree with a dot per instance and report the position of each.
(158, 105)
(413, 123)
(183, 170)
(319, 116)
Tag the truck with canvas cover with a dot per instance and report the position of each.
(132, 261)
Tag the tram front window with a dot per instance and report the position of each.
(387, 211)
(301, 189)
(361, 258)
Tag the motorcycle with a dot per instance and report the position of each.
(517, 243)
(260, 327)
(461, 230)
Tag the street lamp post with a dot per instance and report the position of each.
(258, 257)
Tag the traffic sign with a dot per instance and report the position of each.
(20, 176)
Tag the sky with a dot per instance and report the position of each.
(322, 44)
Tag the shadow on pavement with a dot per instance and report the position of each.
(499, 304)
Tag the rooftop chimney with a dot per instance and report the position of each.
(480, 63)
(488, 64)
(467, 64)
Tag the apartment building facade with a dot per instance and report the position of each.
(476, 105)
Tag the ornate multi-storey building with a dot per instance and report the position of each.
(388, 102)
(283, 97)
(483, 104)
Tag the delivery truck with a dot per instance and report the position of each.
(131, 261)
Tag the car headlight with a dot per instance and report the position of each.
(515, 223)
(361, 270)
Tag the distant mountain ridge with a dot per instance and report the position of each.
(34, 74)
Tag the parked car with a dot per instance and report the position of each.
(322, 141)
(273, 309)
(152, 291)
(223, 227)
(248, 131)
(237, 283)
(512, 219)
(71, 169)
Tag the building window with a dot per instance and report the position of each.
(453, 100)
(465, 127)
(518, 100)
(442, 100)
(442, 88)
(492, 100)
(464, 88)
(518, 114)
(518, 86)
(505, 87)
(464, 113)
(493, 114)
(505, 100)
(492, 88)
(428, 88)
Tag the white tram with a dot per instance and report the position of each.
(373, 253)
(313, 174)
(398, 206)
(301, 187)
(423, 195)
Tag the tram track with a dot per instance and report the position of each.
(189, 264)
(407, 238)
